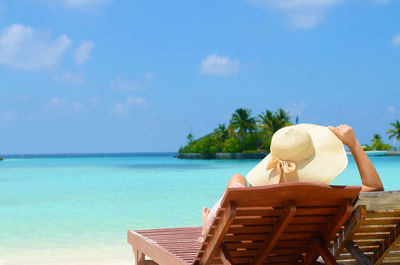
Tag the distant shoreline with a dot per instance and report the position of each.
(223, 156)
(393, 153)
(171, 154)
(383, 153)
(262, 155)
(72, 155)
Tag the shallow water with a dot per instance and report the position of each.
(76, 210)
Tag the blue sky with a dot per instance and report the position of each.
(135, 76)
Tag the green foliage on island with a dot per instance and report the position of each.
(244, 134)
(248, 134)
(395, 132)
(377, 143)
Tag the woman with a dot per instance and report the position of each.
(305, 153)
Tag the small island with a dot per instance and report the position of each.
(248, 137)
(244, 137)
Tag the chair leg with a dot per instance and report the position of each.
(139, 257)
(326, 255)
(224, 255)
(358, 254)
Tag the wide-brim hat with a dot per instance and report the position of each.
(301, 153)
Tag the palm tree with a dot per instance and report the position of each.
(376, 142)
(267, 121)
(221, 132)
(242, 123)
(395, 132)
(377, 137)
(283, 115)
(271, 122)
(189, 138)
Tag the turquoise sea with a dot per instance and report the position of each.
(77, 209)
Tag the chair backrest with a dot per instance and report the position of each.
(276, 224)
(374, 227)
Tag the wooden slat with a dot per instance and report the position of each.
(378, 234)
(349, 229)
(144, 241)
(284, 258)
(373, 237)
(229, 238)
(252, 220)
(275, 212)
(257, 212)
(381, 221)
(246, 253)
(277, 231)
(387, 213)
(375, 228)
(387, 245)
(243, 245)
(294, 228)
(322, 195)
(223, 227)
(340, 217)
(379, 201)
(294, 243)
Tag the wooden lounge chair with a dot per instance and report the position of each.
(280, 224)
(372, 233)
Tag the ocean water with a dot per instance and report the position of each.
(77, 209)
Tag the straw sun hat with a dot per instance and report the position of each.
(301, 153)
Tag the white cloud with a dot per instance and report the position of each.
(82, 53)
(304, 20)
(83, 5)
(214, 64)
(300, 14)
(148, 77)
(31, 117)
(297, 4)
(295, 109)
(23, 97)
(396, 40)
(77, 106)
(93, 102)
(8, 115)
(125, 108)
(119, 84)
(24, 47)
(68, 77)
(59, 106)
(62, 106)
(392, 110)
(381, 2)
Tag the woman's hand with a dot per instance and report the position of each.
(369, 176)
(346, 134)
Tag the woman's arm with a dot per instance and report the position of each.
(369, 176)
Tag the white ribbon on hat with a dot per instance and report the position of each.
(283, 166)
